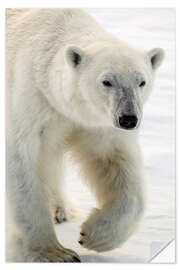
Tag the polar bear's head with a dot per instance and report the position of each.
(108, 85)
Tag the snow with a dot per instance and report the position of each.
(146, 28)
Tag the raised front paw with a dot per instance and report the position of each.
(100, 232)
(57, 254)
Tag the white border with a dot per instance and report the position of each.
(85, 4)
(92, 3)
(167, 255)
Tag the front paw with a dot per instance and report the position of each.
(56, 254)
(100, 232)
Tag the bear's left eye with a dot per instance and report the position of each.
(107, 83)
(143, 83)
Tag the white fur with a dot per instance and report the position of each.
(54, 106)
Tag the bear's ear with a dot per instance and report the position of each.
(156, 57)
(74, 55)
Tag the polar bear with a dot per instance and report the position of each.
(72, 86)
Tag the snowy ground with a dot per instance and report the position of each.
(146, 28)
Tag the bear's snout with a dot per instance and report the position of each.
(128, 121)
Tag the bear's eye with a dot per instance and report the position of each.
(142, 84)
(107, 83)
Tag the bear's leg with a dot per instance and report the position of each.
(52, 168)
(117, 182)
(29, 205)
(50, 173)
(14, 250)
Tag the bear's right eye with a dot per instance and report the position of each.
(107, 83)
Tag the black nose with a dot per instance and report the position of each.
(128, 121)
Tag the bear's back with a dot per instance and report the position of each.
(34, 36)
(30, 27)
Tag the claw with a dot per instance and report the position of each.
(76, 259)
